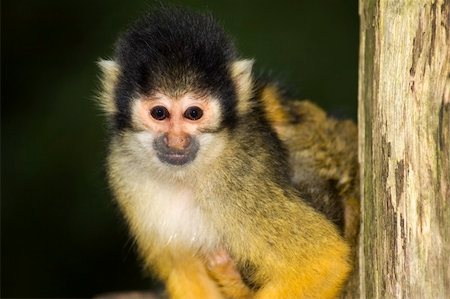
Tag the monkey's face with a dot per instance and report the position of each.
(174, 129)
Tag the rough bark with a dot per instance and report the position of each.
(404, 125)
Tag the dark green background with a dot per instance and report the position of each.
(61, 235)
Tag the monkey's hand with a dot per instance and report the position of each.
(223, 270)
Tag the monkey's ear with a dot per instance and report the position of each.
(241, 73)
(110, 74)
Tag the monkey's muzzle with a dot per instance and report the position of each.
(175, 156)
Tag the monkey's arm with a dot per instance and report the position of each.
(185, 275)
(223, 270)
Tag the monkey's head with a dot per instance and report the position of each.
(174, 86)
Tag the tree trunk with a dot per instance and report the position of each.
(404, 124)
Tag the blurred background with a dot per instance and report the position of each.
(61, 233)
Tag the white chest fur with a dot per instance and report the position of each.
(170, 213)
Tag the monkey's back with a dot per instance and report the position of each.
(322, 154)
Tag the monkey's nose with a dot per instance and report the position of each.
(177, 141)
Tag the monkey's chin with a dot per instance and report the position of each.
(176, 159)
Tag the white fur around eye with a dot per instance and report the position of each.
(216, 113)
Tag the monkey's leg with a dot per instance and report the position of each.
(319, 278)
(186, 277)
(306, 289)
(223, 270)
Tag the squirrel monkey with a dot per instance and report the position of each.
(199, 171)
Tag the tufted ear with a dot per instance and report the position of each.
(241, 72)
(110, 73)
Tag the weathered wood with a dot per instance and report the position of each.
(404, 125)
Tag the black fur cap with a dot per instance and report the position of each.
(173, 50)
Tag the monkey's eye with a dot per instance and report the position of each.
(159, 113)
(193, 113)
